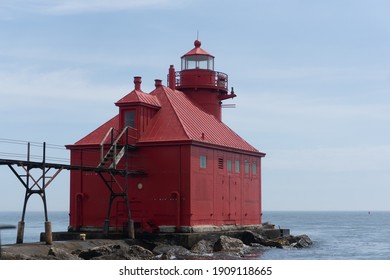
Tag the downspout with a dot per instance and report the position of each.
(80, 197)
(176, 195)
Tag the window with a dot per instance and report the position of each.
(203, 162)
(247, 166)
(220, 163)
(197, 62)
(254, 168)
(229, 165)
(237, 166)
(130, 119)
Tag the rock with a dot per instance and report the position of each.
(213, 246)
(273, 243)
(98, 251)
(302, 241)
(117, 252)
(169, 252)
(60, 254)
(11, 256)
(140, 253)
(228, 244)
(203, 247)
(249, 237)
(283, 241)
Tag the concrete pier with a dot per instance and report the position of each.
(186, 239)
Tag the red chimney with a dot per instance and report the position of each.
(137, 83)
(157, 83)
(172, 77)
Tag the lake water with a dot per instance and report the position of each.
(336, 235)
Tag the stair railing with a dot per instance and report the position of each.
(109, 132)
(113, 149)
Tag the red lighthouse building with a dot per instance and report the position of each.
(168, 161)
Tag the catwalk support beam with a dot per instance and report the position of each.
(35, 186)
(37, 176)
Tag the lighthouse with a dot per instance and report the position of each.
(178, 166)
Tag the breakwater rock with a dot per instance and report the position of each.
(214, 247)
(299, 241)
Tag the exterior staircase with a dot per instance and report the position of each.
(112, 156)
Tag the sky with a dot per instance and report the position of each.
(312, 80)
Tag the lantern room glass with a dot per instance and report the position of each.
(197, 62)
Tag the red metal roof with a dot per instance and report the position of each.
(197, 50)
(138, 96)
(178, 119)
(96, 136)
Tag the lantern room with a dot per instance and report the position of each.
(197, 58)
(197, 71)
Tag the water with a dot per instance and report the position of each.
(34, 224)
(336, 235)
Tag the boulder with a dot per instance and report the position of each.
(169, 252)
(250, 237)
(203, 247)
(99, 251)
(302, 241)
(279, 242)
(117, 252)
(60, 254)
(139, 253)
(228, 244)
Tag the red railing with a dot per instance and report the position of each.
(201, 78)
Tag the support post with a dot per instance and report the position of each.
(130, 222)
(131, 229)
(48, 233)
(20, 233)
(106, 227)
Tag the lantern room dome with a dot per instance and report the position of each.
(197, 58)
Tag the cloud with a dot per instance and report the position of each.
(74, 6)
(311, 133)
(305, 116)
(324, 107)
(60, 101)
(11, 8)
(309, 73)
(63, 84)
(331, 159)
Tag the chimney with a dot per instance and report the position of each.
(137, 83)
(172, 77)
(157, 83)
